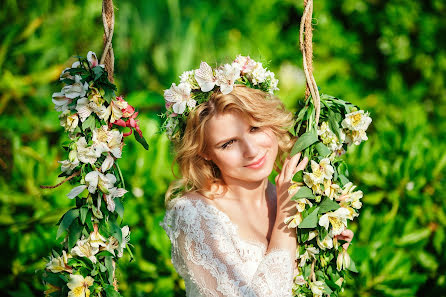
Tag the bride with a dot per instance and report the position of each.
(224, 218)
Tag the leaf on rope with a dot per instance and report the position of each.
(98, 71)
(67, 219)
(109, 94)
(83, 212)
(344, 180)
(343, 168)
(104, 254)
(110, 291)
(303, 192)
(328, 205)
(109, 265)
(141, 140)
(115, 231)
(119, 208)
(311, 220)
(307, 139)
(352, 266)
(89, 123)
(322, 149)
(333, 122)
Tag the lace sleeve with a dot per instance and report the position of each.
(205, 256)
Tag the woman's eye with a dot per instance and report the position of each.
(253, 129)
(225, 145)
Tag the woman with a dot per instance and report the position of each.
(227, 227)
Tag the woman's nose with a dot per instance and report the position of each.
(250, 148)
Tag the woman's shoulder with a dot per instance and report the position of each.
(188, 199)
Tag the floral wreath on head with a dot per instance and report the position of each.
(197, 85)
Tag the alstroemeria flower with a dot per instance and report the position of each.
(273, 82)
(226, 77)
(68, 121)
(188, 77)
(96, 239)
(356, 121)
(61, 101)
(329, 138)
(258, 74)
(356, 137)
(59, 264)
(84, 248)
(180, 96)
(93, 60)
(115, 143)
(205, 77)
(301, 203)
(310, 252)
(331, 189)
(337, 219)
(68, 165)
(89, 154)
(112, 194)
(351, 196)
(326, 243)
(343, 260)
(79, 286)
(320, 171)
(293, 221)
(130, 123)
(125, 239)
(77, 89)
(246, 64)
(317, 288)
(316, 187)
(95, 179)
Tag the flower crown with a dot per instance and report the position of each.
(196, 86)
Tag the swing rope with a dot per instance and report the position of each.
(306, 47)
(107, 57)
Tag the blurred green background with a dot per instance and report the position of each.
(388, 57)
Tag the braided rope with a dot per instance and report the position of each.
(306, 47)
(108, 18)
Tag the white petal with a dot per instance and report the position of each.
(205, 77)
(108, 163)
(76, 191)
(323, 221)
(179, 107)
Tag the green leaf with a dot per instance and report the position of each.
(115, 231)
(328, 205)
(352, 266)
(311, 220)
(119, 208)
(303, 192)
(343, 179)
(109, 265)
(84, 211)
(110, 291)
(141, 139)
(74, 233)
(104, 254)
(333, 120)
(109, 94)
(322, 149)
(98, 71)
(89, 123)
(304, 141)
(414, 237)
(67, 219)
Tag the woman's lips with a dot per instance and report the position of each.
(258, 163)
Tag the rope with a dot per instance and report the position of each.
(108, 18)
(62, 182)
(306, 47)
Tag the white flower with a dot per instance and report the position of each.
(331, 189)
(95, 179)
(329, 138)
(93, 60)
(88, 154)
(259, 74)
(316, 187)
(115, 142)
(205, 77)
(356, 137)
(343, 260)
(317, 288)
(68, 121)
(115, 109)
(293, 221)
(68, 166)
(77, 89)
(226, 76)
(180, 96)
(326, 243)
(59, 264)
(79, 286)
(338, 220)
(301, 203)
(357, 121)
(320, 171)
(96, 239)
(299, 279)
(61, 101)
(246, 64)
(83, 248)
(85, 107)
(269, 76)
(188, 77)
(108, 163)
(350, 196)
(310, 252)
(76, 191)
(125, 239)
(113, 193)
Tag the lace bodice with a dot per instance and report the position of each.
(213, 260)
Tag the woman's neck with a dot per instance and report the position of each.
(252, 193)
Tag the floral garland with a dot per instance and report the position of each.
(93, 117)
(196, 86)
(325, 198)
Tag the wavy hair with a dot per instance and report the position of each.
(200, 175)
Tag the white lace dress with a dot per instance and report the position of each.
(213, 260)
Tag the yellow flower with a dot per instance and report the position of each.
(83, 248)
(337, 219)
(79, 286)
(293, 221)
(300, 204)
(331, 189)
(317, 288)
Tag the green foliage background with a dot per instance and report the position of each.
(388, 57)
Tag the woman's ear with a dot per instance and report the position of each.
(204, 156)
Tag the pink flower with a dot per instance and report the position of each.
(130, 123)
(127, 109)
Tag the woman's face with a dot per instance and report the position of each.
(242, 152)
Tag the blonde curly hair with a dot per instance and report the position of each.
(200, 175)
